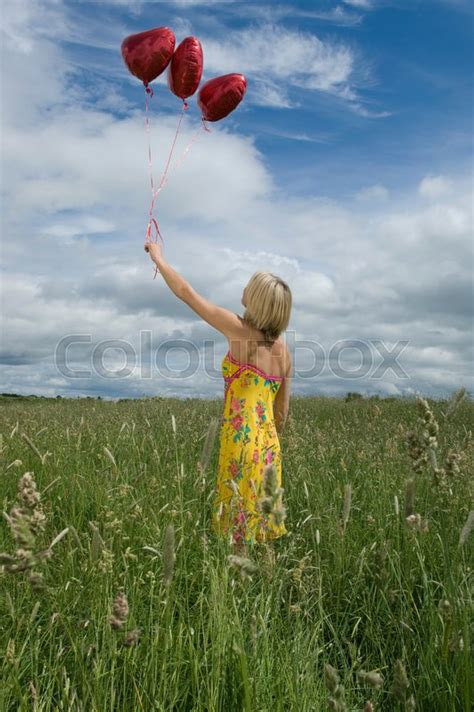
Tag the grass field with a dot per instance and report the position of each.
(358, 608)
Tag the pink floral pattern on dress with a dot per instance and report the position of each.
(260, 409)
(237, 422)
(235, 469)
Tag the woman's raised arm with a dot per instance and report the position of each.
(221, 319)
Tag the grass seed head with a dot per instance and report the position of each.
(455, 401)
(417, 523)
(333, 684)
(270, 480)
(416, 451)
(279, 513)
(246, 567)
(10, 652)
(110, 456)
(33, 447)
(372, 678)
(331, 678)
(28, 494)
(409, 497)
(467, 528)
(131, 638)
(26, 521)
(346, 507)
(36, 580)
(272, 505)
(208, 445)
(97, 543)
(400, 681)
(445, 609)
(452, 464)
(119, 611)
(168, 555)
(266, 505)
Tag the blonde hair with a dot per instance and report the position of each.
(269, 302)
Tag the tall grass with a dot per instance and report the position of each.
(366, 604)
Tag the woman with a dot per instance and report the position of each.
(257, 374)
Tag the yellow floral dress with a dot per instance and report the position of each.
(248, 442)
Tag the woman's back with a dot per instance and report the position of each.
(270, 357)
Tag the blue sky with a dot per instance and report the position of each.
(346, 169)
(412, 76)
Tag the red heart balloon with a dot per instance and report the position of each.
(147, 54)
(219, 96)
(186, 68)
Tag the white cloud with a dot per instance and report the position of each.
(23, 21)
(362, 4)
(78, 227)
(267, 93)
(433, 187)
(76, 202)
(81, 159)
(300, 58)
(375, 193)
(338, 15)
(300, 136)
(280, 60)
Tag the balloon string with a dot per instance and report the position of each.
(193, 140)
(152, 221)
(149, 92)
(164, 177)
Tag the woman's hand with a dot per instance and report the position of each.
(154, 250)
